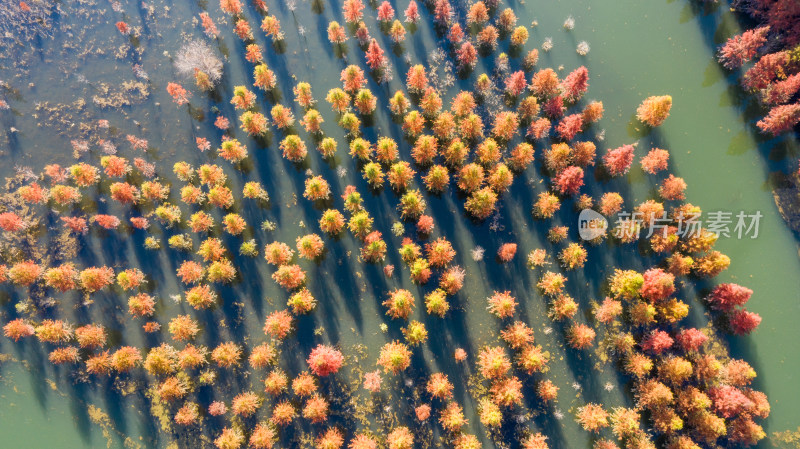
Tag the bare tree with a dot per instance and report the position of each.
(197, 55)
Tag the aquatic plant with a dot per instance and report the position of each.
(302, 302)
(282, 414)
(442, 12)
(415, 333)
(657, 285)
(400, 303)
(539, 128)
(350, 123)
(441, 143)
(125, 359)
(493, 362)
(425, 150)
(262, 355)
(352, 10)
(374, 249)
(282, 116)
(608, 311)
(554, 108)
(519, 36)
(331, 439)
(463, 104)
(544, 83)
(655, 160)
(188, 414)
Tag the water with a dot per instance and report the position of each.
(638, 49)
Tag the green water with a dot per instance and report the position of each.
(638, 49)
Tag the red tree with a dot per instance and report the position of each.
(455, 34)
(569, 181)
(780, 119)
(17, 329)
(325, 360)
(375, 57)
(507, 251)
(11, 222)
(385, 12)
(442, 12)
(743, 322)
(742, 47)
(575, 84)
(691, 339)
(353, 10)
(658, 285)
(782, 15)
(729, 401)
(412, 12)
(618, 161)
(76, 224)
(782, 91)
(726, 297)
(516, 83)
(467, 56)
(769, 68)
(554, 107)
(569, 126)
(179, 95)
(657, 342)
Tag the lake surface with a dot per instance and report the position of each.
(638, 49)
